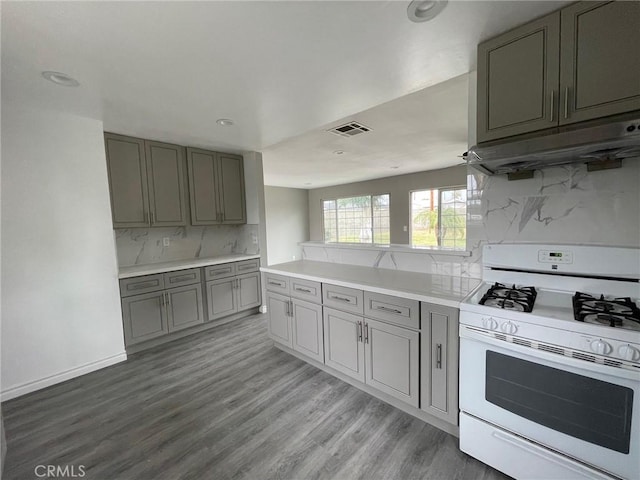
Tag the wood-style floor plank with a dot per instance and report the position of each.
(224, 404)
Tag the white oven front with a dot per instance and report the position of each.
(534, 414)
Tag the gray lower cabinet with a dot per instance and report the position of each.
(144, 317)
(279, 320)
(230, 295)
(439, 361)
(184, 305)
(343, 343)
(307, 336)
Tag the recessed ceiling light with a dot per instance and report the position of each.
(225, 122)
(425, 10)
(338, 152)
(61, 79)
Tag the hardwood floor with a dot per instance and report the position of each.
(224, 404)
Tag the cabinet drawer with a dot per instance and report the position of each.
(343, 298)
(397, 310)
(306, 290)
(182, 277)
(277, 283)
(137, 285)
(220, 271)
(247, 266)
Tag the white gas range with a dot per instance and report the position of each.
(550, 362)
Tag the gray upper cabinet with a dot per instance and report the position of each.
(146, 181)
(127, 180)
(599, 60)
(216, 188)
(518, 80)
(166, 179)
(579, 63)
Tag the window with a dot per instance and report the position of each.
(363, 219)
(438, 218)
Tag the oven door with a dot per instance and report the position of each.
(587, 411)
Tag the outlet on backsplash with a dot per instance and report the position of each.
(166, 241)
(254, 238)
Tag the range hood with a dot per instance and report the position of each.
(600, 145)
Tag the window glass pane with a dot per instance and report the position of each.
(424, 218)
(453, 218)
(354, 220)
(329, 218)
(381, 229)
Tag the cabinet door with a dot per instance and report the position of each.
(221, 298)
(165, 171)
(248, 291)
(203, 187)
(343, 347)
(127, 181)
(231, 185)
(439, 361)
(279, 320)
(307, 329)
(185, 307)
(600, 63)
(518, 80)
(392, 359)
(144, 317)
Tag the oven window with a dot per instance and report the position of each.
(585, 408)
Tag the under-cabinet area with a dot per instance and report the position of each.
(159, 306)
(396, 347)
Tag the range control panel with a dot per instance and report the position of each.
(555, 256)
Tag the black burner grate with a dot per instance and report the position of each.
(613, 312)
(510, 298)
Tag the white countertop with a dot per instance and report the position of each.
(139, 270)
(441, 289)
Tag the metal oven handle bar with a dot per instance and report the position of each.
(545, 454)
(533, 354)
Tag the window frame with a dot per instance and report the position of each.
(335, 199)
(439, 235)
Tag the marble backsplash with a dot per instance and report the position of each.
(564, 204)
(141, 246)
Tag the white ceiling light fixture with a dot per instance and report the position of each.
(225, 122)
(60, 78)
(425, 10)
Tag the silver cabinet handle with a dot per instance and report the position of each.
(342, 299)
(291, 309)
(222, 215)
(439, 355)
(551, 107)
(366, 333)
(169, 299)
(387, 309)
(286, 310)
(237, 283)
(305, 290)
(566, 102)
(182, 278)
(164, 299)
(277, 284)
(153, 218)
(358, 331)
(147, 284)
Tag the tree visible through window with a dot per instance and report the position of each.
(438, 218)
(361, 219)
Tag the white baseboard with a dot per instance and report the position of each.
(29, 387)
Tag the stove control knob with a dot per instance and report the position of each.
(628, 352)
(489, 323)
(510, 328)
(601, 347)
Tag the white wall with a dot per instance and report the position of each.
(287, 221)
(60, 302)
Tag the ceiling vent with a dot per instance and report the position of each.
(350, 129)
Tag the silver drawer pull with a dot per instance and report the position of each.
(218, 272)
(387, 309)
(305, 290)
(277, 284)
(182, 278)
(342, 299)
(137, 286)
(246, 267)
(359, 331)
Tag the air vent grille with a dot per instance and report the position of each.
(520, 341)
(551, 348)
(612, 363)
(350, 129)
(499, 336)
(583, 356)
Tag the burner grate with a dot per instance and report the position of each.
(612, 312)
(510, 298)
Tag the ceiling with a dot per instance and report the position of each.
(283, 71)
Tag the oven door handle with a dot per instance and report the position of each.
(557, 360)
